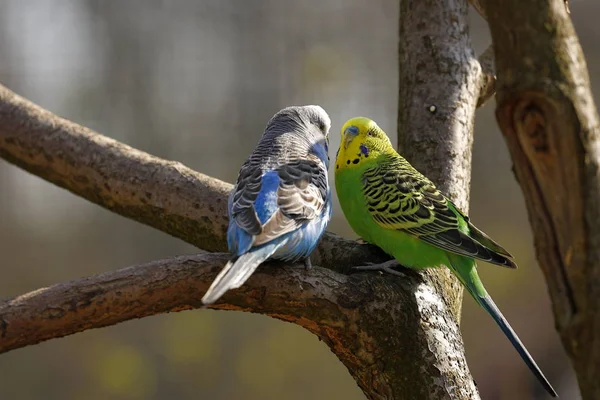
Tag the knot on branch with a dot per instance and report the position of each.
(531, 125)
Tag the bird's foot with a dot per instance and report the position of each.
(383, 267)
(307, 264)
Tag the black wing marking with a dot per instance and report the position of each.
(245, 193)
(399, 197)
(301, 197)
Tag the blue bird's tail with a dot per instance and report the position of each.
(237, 271)
(466, 270)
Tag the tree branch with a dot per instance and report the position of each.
(437, 101)
(161, 286)
(114, 175)
(439, 86)
(368, 320)
(165, 195)
(547, 114)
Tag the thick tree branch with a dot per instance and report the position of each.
(376, 325)
(163, 194)
(439, 86)
(440, 78)
(191, 206)
(547, 113)
(162, 286)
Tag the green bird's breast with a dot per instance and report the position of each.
(407, 249)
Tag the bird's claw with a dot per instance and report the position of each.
(383, 267)
(307, 264)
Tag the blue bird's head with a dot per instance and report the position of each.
(310, 120)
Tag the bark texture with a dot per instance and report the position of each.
(548, 117)
(438, 96)
(367, 320)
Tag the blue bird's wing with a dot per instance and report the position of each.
(268, 205)
(301, 198)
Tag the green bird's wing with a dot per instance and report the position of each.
(399, 197)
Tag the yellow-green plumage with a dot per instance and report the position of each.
(390, 204)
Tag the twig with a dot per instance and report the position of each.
(488, 76)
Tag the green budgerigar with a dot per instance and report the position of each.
(390, 204)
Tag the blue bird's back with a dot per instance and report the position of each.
(281, 203)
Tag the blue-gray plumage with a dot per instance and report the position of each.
(281, 203)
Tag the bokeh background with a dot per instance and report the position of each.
(196, 81)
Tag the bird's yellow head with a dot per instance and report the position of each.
(362, 140)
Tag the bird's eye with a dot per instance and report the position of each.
(320, 124)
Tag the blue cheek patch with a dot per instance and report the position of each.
(364, 150)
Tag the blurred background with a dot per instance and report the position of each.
(196, 81)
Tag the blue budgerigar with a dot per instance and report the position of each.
(281, 203)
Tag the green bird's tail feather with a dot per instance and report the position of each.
(465, 269)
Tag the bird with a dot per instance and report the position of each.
(393, 206)
(281, 202)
